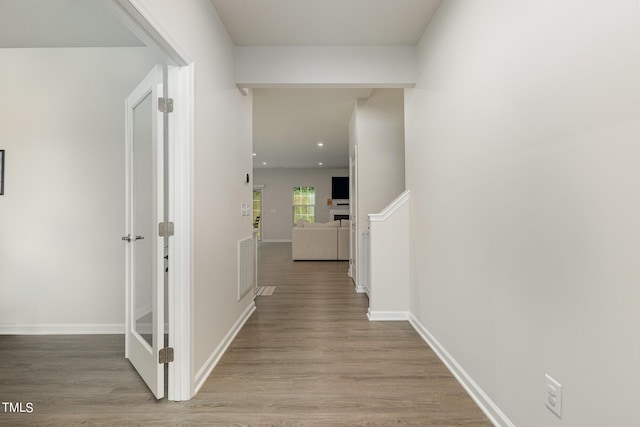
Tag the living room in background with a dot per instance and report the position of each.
(304, 204)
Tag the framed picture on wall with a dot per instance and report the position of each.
(1, 172)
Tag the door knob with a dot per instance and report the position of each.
(128, 238)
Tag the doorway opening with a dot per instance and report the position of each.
(66, 169)
(167, 361)
(257, 210)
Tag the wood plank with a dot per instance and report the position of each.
(308, 356)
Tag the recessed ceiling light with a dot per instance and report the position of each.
(320, 144)
(319, 163)
(264, 163)
(254, 154)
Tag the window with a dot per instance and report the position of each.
(304, 204)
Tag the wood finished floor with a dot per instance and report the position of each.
(308, 356)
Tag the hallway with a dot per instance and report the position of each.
(307, 356)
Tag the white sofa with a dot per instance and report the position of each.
(315, 241)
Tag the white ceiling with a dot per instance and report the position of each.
(288, 123)
(61, 23)
(325, 22)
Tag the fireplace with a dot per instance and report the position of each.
(337, 214)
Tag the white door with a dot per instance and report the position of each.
(144, 336)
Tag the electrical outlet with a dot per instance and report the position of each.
(553, 395)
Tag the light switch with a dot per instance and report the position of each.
(553, 395)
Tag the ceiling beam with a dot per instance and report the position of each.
(327, 66)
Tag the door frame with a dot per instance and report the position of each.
(137, 17)
(353, 212)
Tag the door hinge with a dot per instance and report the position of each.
(165, 105)
(165, 229)
(165, 355)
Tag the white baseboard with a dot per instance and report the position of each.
(63, 329)
(381, 316)
(361, 289)
(490, 409)
(276, 240)
(213, 360)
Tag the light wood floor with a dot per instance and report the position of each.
(307, 357)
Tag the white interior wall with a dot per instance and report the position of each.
(222, 157)
(62, 215)
(523, 161)
(379, 135)
(381, 150)
(277, 197)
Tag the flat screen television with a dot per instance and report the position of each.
(340, 187)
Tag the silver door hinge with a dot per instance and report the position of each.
(165, 229)
(165, 355)
(165, 105)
